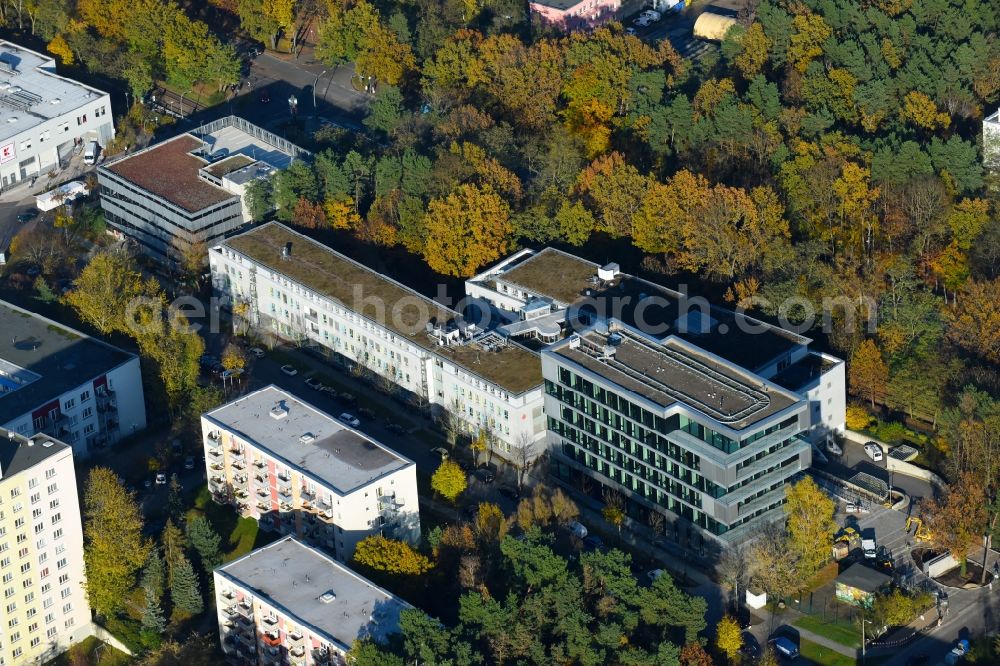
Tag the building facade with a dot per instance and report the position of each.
(287, 603)
(297, 470)
(184, 194)
(298, 289)
(543, 296)
(991, 141)
(44, 117)
(673, 429)
(64, 383)
(574, 14)
(41, 541)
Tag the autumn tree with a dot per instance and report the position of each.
(811, 524)
(729, 638)
(233, 358)
(614, 191)
(974, 325)
(449, 480)
(868, 372)
(467, 229)
(107, 289)
(693, 654)
(58, 47)
(114, 548)
(956, 522)
(392, 556)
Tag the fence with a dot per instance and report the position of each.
(270, 138)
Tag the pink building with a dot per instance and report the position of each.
(575, 15)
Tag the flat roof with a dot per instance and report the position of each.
(169, 171)
(311, 440)
(675, 372)
(61, 359)
(228, 165)
(557, 4)
(863, 578)
(292, 577)
(35, 93)
(19, 453)
(403, 310)
(572, 281)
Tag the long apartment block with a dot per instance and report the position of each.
(297, 470)
(673, 428)
(302, 290)
(61, 382)
(288, 603)
(41, 542)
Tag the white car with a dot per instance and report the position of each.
(350, 420)
(256, 352)
(874, 451)
(289, 370)
(161, 479)
(642, 22)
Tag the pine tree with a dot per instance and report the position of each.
(206, 541)
(154, 574)
(175, 501)
(184, 589)
(152, 615)
(173, 549)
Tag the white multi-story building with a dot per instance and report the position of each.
(299, 471)
(299, 289)
(64, 383)
(186, 193)
(44, 116)
(543, 296)
(41, 546)
(287, 603)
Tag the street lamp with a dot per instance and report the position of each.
(182, 102)
(316, 83)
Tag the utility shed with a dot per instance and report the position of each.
(858, 583)
(713, 27)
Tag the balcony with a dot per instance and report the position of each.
(285, 507)
(214, 439)
(272, 638)
(217, 480)
(285, 494)
(285, 481)
(215, 452)
(270, 620)
(263, 493)
(245, 609)
(238, 463)
(294, 638)
(218, 467)
(326, 516)
(260, 463)
(237, 454)
(306, 495)
(263, 507)
(298, 652)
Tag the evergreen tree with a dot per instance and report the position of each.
(185, 591)
(175, 500)
(174, 544)
(153, 620)
(154, 574)
(206, 541)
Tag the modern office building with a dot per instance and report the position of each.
(184, 194)
(672, 428)
(541, 297)
(287, 603)
(64, 383)
(299, 471)
(41, 541)
(301, 290)
(44, 117)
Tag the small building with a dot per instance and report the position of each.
(858, 583)
(991, 141)
(575, 14)
(188, 192)
(44, 117)
(287, 603)
(297, 470)
(64, 383)
(713, 27)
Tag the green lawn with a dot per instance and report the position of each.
(824, 655)
(239, 535)
(84, 653)
(840, 632)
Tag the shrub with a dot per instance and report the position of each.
(857, 418)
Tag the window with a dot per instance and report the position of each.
(69, 404)
(35, 498)
(61, 564)
(65, 593)
(49, 473)
(87, 412)
(52, 488)
(89, 428)
(57, 535)
(63, 579)
(26, 567)
(32, 482)
(44, 574)
(14, 492)
(85, 396)
(56, 517)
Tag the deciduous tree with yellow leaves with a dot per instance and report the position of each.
(466, 229)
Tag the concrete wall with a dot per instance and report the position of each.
(939, 565)
(893, 465)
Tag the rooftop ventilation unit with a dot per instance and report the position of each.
(8, 63)
(286, 251)
(608, 272)
(306, 438)
(328, 597)
(279, 411)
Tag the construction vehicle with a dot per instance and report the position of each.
(920, 533)
(844, 542)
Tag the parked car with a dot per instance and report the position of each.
(653, 574)
(350, 420)
(189, 462)
(207, 360)
(347, 398)
(510, 493)
(577, 529)
(314, 384)
(231, 374)
(28, 215)
(395, 428)
(750, 648)
(289, 370)
(161, 479)
(366, 413)
(630, 31)
(441, 452)
(874, 451)
(833, 448)
(485, 474)
(593, 543)
(256, 352)
(265, 96)
(785, 648)
(957, 652)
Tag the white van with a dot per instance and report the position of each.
(91, 152)
(874, 451)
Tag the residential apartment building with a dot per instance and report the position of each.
(64, 383)
(301, 290)
(42, 577)
(674, 429)
(44, 117)
(543, 296)
(287, 603)
(297, 470)
(184, 194)
(574, 14)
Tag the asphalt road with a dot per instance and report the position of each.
(855, 460)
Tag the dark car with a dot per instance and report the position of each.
(751, 648)
(509, 493)
(265, 96)
(485, 474)
(395, 428)
(28, 215)
(366, 413)
(592, 543)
